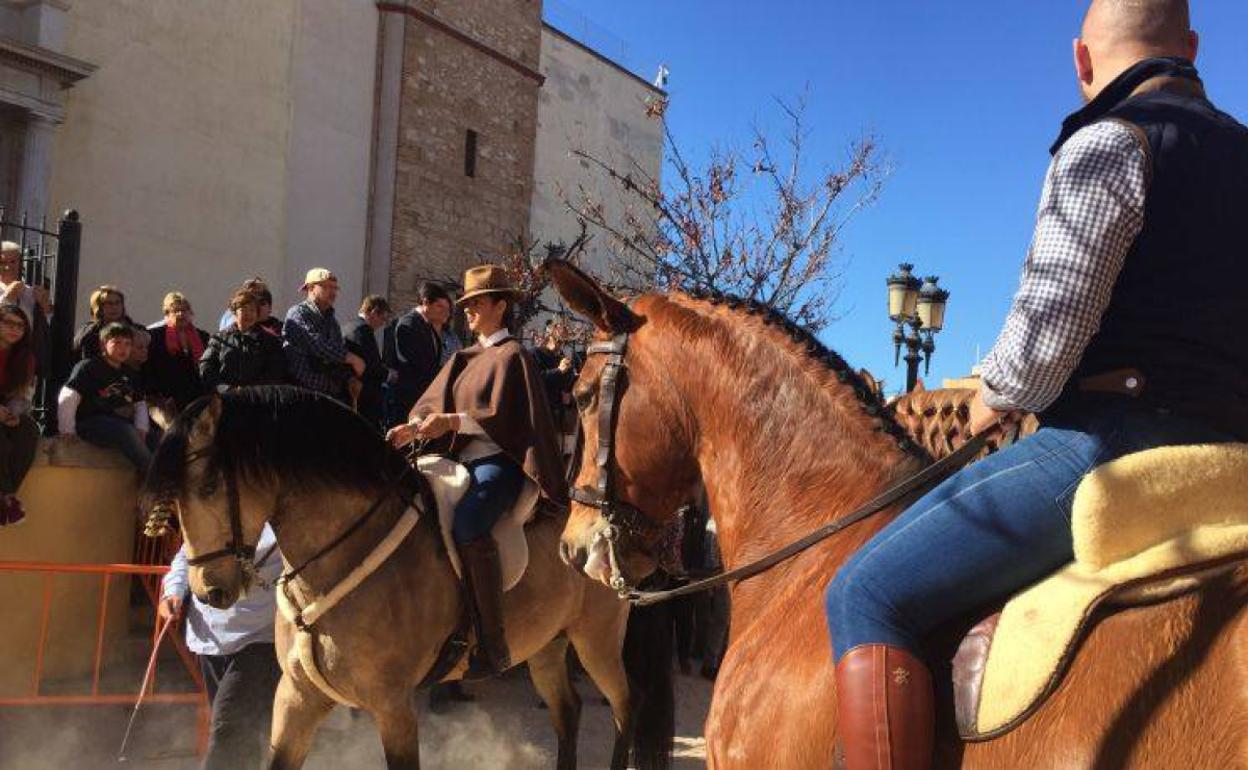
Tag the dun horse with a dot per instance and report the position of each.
(314, 470)
(785, 438)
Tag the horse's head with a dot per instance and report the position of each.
(221, 520)
(637, 464)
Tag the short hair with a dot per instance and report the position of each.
(115, 330)
(1153, 23)
(100, 294)
(243, 298)
(428, 292)
(174, 298)
(374, 303)
(263, 296)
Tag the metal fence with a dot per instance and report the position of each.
(50, 259)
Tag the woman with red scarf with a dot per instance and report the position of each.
(171, 373)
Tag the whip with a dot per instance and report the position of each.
(147, 679)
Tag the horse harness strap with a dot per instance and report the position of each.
(925, 478)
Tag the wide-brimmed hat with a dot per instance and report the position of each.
(486, 279)
(317, 275)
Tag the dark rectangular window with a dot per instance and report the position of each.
(470, 153)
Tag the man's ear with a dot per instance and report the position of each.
(1083, 62)
(587, 298)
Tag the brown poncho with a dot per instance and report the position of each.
(501, 388)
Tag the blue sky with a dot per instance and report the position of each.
(964, 96)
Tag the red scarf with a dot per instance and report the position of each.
(173, 342)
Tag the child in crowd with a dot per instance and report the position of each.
(19, 436)
(102, 403)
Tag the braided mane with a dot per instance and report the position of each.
(830, 359)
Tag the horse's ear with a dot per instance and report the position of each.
(587, 298)
(205, 427)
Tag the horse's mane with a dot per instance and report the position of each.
(816, 351)
(305, 438)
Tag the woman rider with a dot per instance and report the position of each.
(490, 400)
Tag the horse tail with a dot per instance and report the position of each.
(648, 661)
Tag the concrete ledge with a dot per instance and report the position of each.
(80, 509)
(61, 452)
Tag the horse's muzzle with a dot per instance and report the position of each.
(573, 555)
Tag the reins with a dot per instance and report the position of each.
(929, 475)
(625, 520)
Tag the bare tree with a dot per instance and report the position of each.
(758, 225)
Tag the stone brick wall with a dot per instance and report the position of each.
(442, 217)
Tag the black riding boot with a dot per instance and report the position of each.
(485, 590)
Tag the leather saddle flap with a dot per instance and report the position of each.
(1146, 527)
(450, 481)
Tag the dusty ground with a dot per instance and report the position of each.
(504, 729)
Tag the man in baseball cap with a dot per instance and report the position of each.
(316, 355)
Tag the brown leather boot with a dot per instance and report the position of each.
(483, 575)
(884, 709)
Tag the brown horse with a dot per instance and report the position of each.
(312, 469)
(785, 438)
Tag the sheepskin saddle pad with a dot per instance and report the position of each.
(1147, 527)
(450, 482)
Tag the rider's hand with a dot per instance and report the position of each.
(565, 365)
(436, 425)
(401, 435)
(169, 607)
(984, 417)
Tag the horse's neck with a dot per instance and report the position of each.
(308, 523)
(774, 477)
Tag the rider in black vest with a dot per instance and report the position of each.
(1167, 317)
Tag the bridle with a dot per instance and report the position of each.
(625, 521)
(237, 546)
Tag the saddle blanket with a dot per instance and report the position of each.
(1146, 527)
(450, 481)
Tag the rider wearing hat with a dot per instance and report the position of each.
(490, 400)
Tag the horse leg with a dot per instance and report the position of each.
(549, 671)
(599, 647)
(396, 721)
(296, 715)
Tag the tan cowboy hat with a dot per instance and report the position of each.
(486, 279)
(317, 275)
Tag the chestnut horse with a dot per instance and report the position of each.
(786, 437)
(331, 488)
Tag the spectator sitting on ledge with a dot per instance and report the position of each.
(19, 436)
(102, 402)
(172, 371)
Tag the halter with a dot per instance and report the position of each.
(236, 546)
(625, 521)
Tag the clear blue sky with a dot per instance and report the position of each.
(965, 97)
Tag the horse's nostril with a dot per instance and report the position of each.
(215, 597)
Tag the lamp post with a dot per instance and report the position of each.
(920, 306)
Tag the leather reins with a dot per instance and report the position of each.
(625, 520)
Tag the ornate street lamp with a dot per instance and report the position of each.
(919, 305)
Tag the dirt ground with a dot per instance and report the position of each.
(504, 729)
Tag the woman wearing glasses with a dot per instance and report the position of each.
(19, 437)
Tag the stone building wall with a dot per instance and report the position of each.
(468, 65)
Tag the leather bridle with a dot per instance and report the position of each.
(625, 521)
(236, 547)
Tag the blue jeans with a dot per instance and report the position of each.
(496, 483)
(115, 433)
(990, 530)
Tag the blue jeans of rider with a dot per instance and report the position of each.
(988, 531)
(496, 482)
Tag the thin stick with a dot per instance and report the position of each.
(147, 678)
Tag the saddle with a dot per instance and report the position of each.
(1147, 527)
(449, 481)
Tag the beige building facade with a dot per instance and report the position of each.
(205, 143)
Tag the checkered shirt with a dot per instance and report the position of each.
(1091, 211)
(314, 348)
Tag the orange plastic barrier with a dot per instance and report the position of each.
(149, 576)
